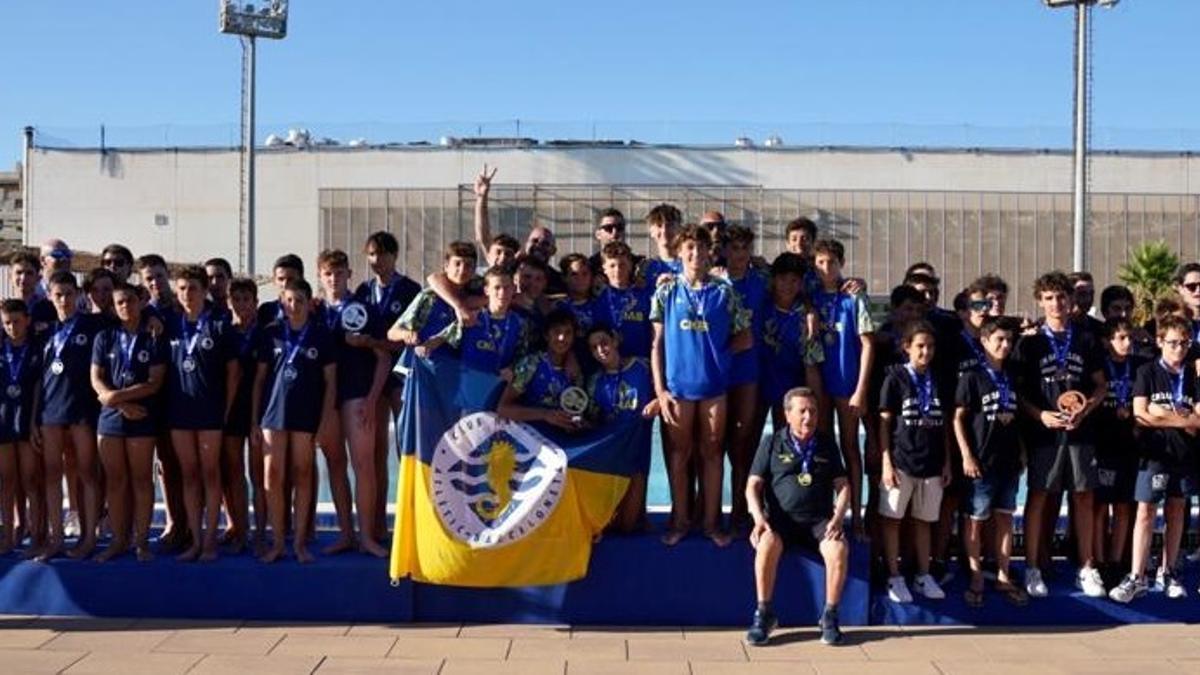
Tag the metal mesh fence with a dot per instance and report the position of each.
(963, 234)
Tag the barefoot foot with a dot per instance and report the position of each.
(114, 549)
(371, 547)
(344, 543)
(189, 555)
(303, 555)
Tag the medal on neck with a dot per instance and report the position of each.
(1062, 349)
(16, 364)
(123, 359)
(923, 385)
(189, 340)
(1177, 398)
(1003, 392)
(292, 349)
(804, 451)
(973, 346)
(828, 327)
(1121, 386)
(59, 342)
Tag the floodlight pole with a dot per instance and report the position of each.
(1079, 257)
(248, 168)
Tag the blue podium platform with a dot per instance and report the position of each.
(1065, 606)
(633, 580)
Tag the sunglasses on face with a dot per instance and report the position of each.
(112, 262)
(1192, 287)
(980, 305)
(610, 227)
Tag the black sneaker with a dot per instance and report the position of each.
(831, 634)
(760, 629)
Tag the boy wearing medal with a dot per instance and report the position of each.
(244, 331)
(581, 300)
(622, 390)
(295, 393)
(1062, 381)
(663, 223)
(361, 377)
(388, 293)
(20, 464)
(790, 356)
(286, 268)
(985, 429)
(846, 329)
(699, 323)
(1165, 407)
(623, 306)
(429, 313)
(69, 410)
(498, 336)
(129, 367)
(915, 463)
(744, 426)
(531, 301)
(798, 495)
(1117, 456)
(534, 394)
(201, 384)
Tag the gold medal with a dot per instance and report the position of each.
(1071, 402)
(1004, 418)
(804, 479)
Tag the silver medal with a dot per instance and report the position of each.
(57, 367)
(14, 391)
(189, 364)
(289, 373)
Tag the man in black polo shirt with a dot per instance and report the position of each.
(791, 491)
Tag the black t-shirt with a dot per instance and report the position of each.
(992, 415)
(1114, 435)
(777, 463)
(1166, 449)
(918, 436)
(887, 355)
(1041, 378)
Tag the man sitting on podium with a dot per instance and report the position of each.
(791, 491)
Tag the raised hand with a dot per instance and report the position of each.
(483, 182)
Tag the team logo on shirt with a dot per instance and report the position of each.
(311, 353)
(143, 356)
(207, 343)
(81, 339)
(495, 481)
(354, 317)
(396, 307)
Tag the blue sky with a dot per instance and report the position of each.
(851, 71)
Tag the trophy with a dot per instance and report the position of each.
(574, 401)
(1071, 403)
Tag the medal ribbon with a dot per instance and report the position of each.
(1176, 383)
(502, 345)
(1061, 348)
(124, 355)
(694, 299)
(1000, 381)
(923, 383)
(293, 348)
(333, 314)
(14, 371)
(189, 341)
(804, 451)
(1121, 381)
(384, 301)
(62, 336)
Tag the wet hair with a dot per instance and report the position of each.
(616, 249)
(460, 249)
(25, 258)
(193, 273)
(1051, 282)
(222, 263)
(498, 272)
(560, 317)
(335, 258)
(995, 324)
(905, 293)
(1185, 270)
(299, 286)
(990, 283)
(118, 250)
(1112, 294)
(383, 241)
(14, 306)
(150, 260)
(64, 278)
(95, 275)
(1118, 326)
(917, 267)
(243, 285)
(506, 242)
(565, 262)
(804, 224)
(914, 328)
(610, 212)
(664, 214)
(702, 236)
(289, 261)
(1172, 322)
(831, 247)
(921, 279)
(739, 233)
(788, 263)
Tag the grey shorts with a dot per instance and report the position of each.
(1068, 467)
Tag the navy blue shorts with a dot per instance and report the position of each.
(1117, 480)
(995, 491)
(112, 423)
(1155, 486)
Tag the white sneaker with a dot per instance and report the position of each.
(898, 591)
(1088, 580)
(928, 587)
(1173, 587)
(1034, 586)
(71, 524)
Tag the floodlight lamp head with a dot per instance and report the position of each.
(1073, 3)
(258, 18)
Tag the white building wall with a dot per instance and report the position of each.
(91, 198)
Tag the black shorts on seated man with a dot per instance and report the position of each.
(794, 481)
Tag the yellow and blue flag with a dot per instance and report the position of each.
(486, 502)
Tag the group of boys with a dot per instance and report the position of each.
(104, 376)
(700, 334)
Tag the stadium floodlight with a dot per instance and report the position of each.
(1082, 69)
(250, 19)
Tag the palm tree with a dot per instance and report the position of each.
(1149, 273)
